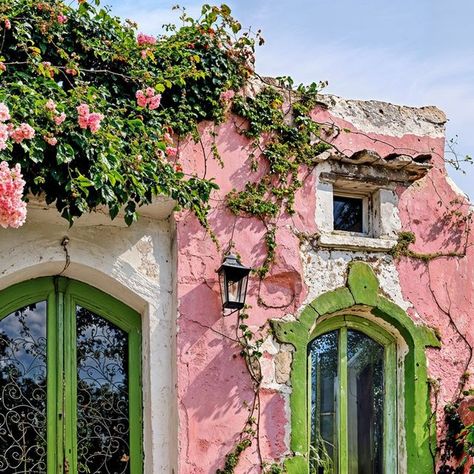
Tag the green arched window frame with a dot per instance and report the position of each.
(361, 298)
(62, 296)
(342, 324)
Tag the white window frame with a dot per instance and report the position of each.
(381, 221)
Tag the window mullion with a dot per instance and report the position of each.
(342, 402)
(390, 412)
(70, 385)
(54, 406)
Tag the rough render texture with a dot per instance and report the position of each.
(213, 385)
(208, 380)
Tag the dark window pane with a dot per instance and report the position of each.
(365, 387)
(348, 214)
(23, 391)
(102, 396)
(324, 391)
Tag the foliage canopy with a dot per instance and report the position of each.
(55, 58)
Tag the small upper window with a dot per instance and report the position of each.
(348, 213)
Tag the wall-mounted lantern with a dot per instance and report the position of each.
(233, 278)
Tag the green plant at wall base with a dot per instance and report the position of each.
(55, 58)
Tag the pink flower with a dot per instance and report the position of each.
(3, 68)
(4, 112)
(62, 19)
(3, 136)
(171, 151)
(94, 122)
(59, 119)
(149, 98)
(141, 99)
(83, 109)
(8, 24)
(144, 53)
(143, 39)
(154, 102)
(50, 105)
(23, 132)
(27, 130)
(3, 133)
(227, 95)
(71, 71)
(51, 140)
(83, 121)
(87, 119)
(12, 207)
(167, 138)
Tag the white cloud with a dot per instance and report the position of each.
(391, 75)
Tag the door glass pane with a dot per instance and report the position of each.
(23, 390)
(324, 390)
(102, 395)
(365, 386)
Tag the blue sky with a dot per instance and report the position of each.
(407, 52)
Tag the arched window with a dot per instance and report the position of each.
(352, 392)
(332, 422)
(70, 383)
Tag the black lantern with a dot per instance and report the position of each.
(233, 277)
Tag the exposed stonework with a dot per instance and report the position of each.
(383, 118)
(283, 366)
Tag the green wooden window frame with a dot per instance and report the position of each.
(388, 342)
(62, 296)
(361, 297)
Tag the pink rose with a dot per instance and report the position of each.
(8, 24)
(12, 207)
(59, 119)
(94, 122)
(154, 102)
(83, 121)
(50, 105)
(171, 151)
(141, 99)
(143, 39)
(51, 140)
(62, 19)
(83, 109)
(4, 112)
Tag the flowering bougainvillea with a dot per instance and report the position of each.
(12, 207)
(92, 110)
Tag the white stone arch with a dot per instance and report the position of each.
(136, 266)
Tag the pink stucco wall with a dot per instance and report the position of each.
(213, 385)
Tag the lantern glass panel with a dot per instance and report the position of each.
(235, 288)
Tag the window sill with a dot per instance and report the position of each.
(355, 242)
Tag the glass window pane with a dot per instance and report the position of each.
(23, 391)
(102, 396)
(348, 214)
(324, 392)
(365, 386)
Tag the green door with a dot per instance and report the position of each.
(70, 385)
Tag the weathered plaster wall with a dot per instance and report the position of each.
(213, 387)
(136, 266)
(196, 387)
